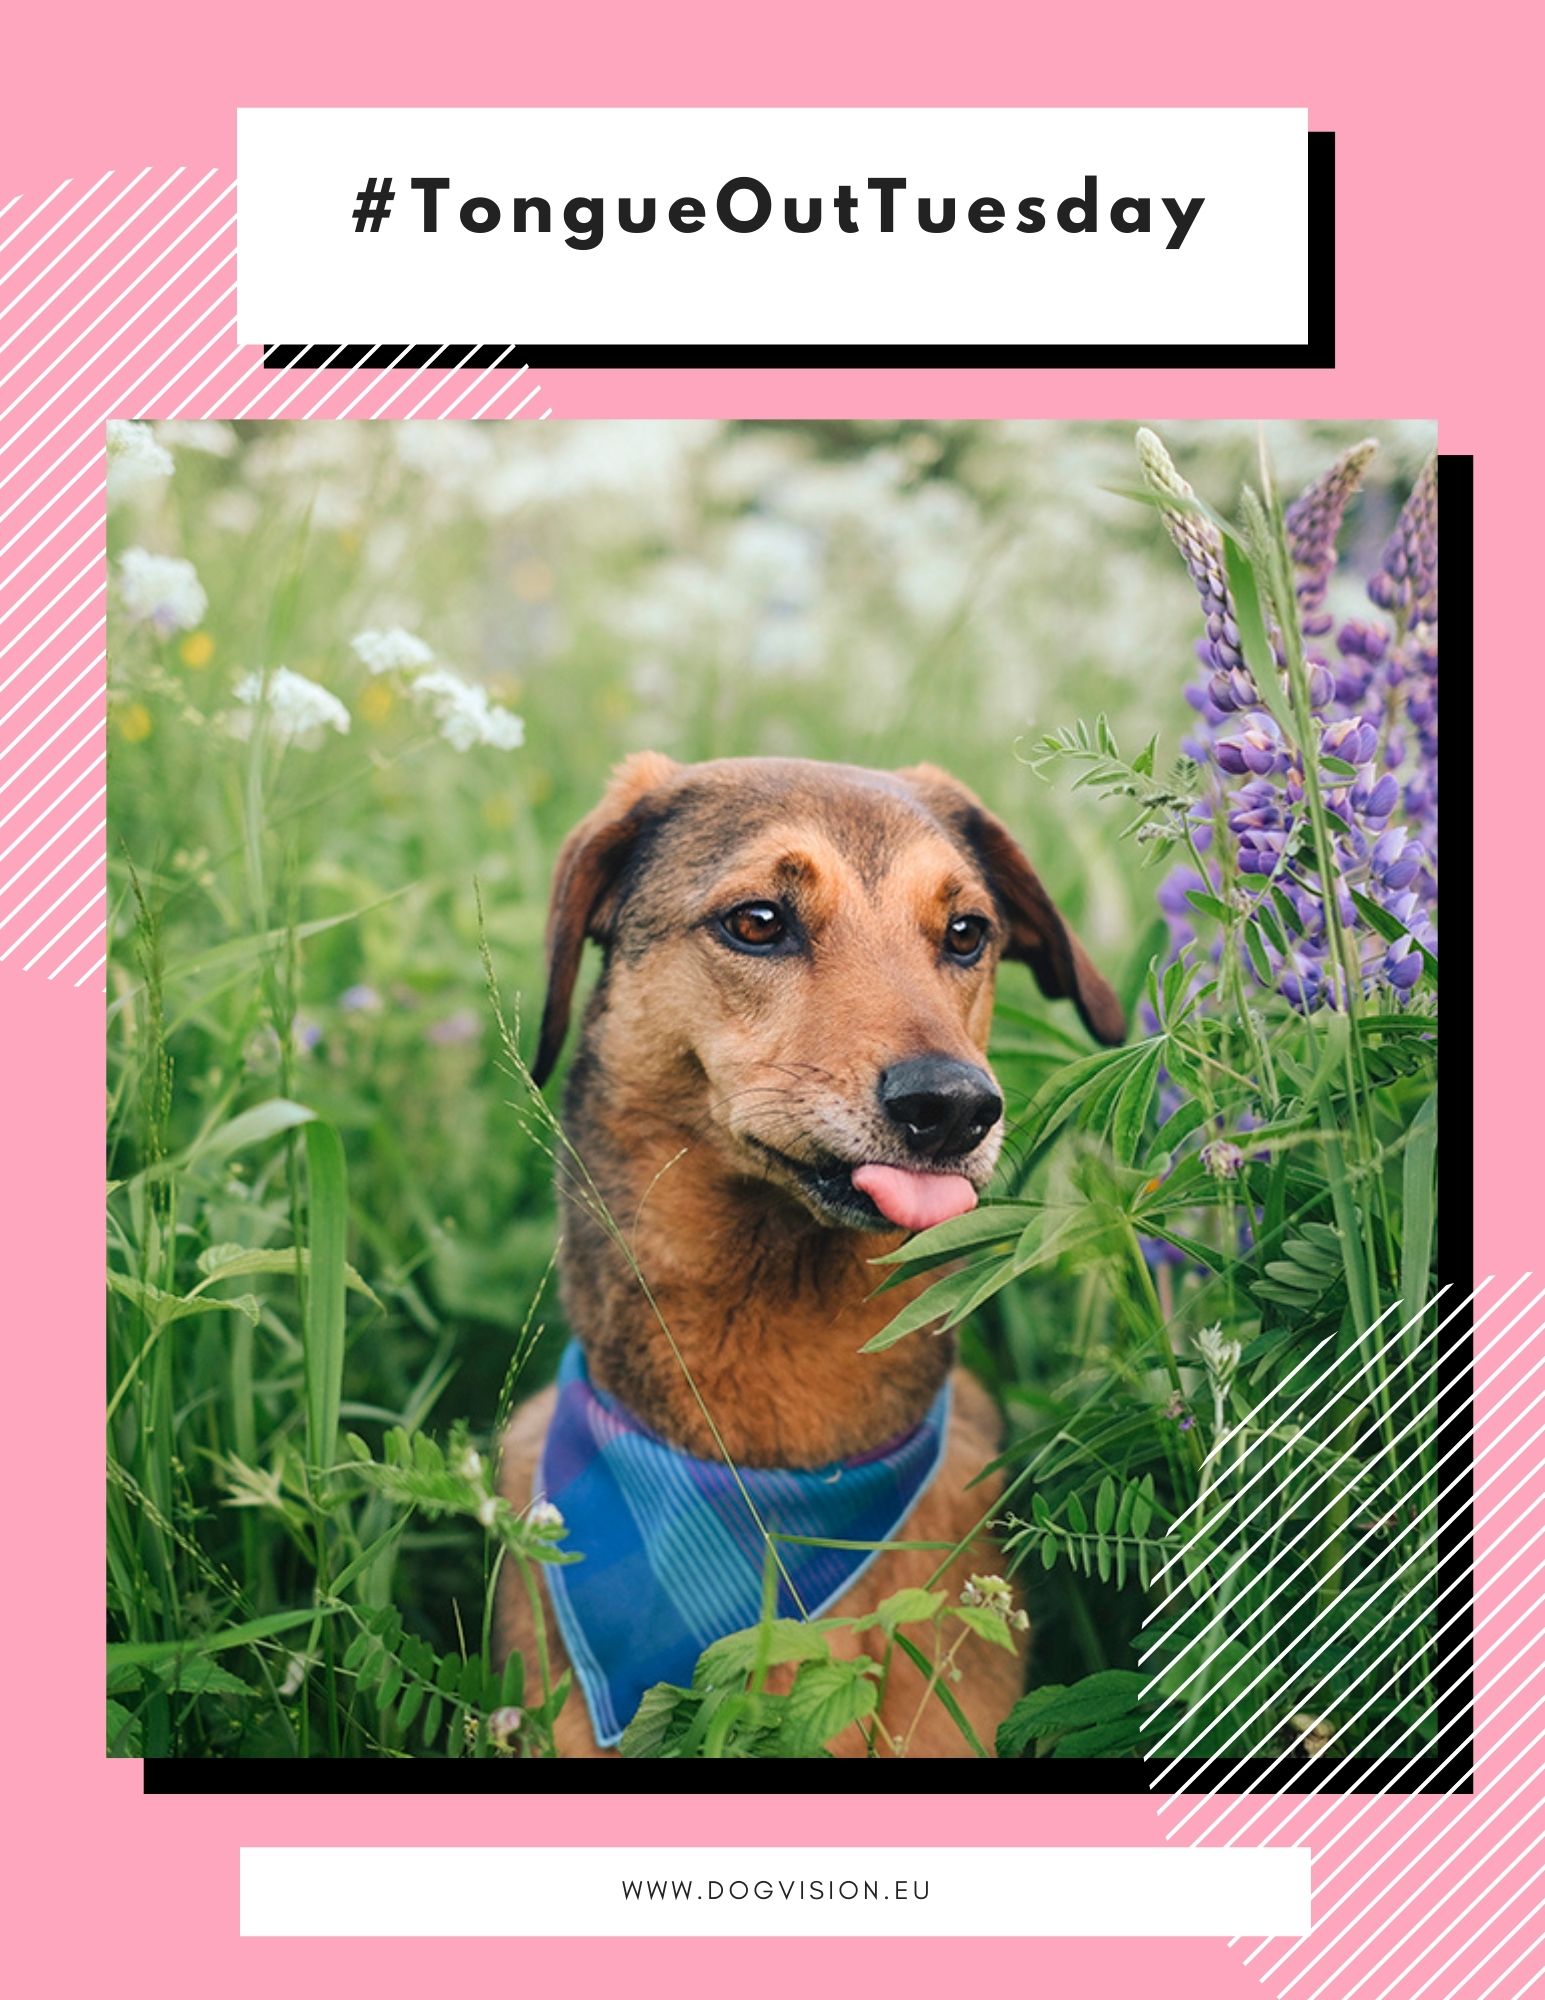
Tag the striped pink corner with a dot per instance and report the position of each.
(118, 299)
(1437, 1892)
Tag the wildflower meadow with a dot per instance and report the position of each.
(364, 677)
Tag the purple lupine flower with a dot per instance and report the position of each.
(1259, 749)
(1201, 546)
(1396, 859)
(1407, 580)
(359, 1000)
(1403, 965)
(1375, 711)
(1313, 525)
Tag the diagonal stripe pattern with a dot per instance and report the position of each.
(117, 299)
(1439, 1891)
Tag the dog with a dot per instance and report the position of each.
(781, 1074)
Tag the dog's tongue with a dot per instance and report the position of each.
(915, 1201)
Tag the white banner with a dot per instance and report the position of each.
(774, 1892)
(733, 228)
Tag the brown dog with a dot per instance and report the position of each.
(781, 1072)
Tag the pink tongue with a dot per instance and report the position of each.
(915, 1201)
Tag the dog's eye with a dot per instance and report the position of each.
(755, 926)
(964, 938)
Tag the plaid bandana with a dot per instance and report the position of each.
(672, 1557)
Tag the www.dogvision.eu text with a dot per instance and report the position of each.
(676, 1889)
(745, 205)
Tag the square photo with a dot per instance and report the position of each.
(773, 1099)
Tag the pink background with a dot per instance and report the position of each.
(1438, 243)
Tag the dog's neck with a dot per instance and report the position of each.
(768, 1310)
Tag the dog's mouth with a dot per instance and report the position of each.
(872, 1194)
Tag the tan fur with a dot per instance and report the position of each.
(710, 1086)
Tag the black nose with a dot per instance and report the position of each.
(941, 1106)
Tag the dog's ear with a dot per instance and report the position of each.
(590, 863)
(1036, 932)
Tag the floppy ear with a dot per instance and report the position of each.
(590, 862)
(1036, 932)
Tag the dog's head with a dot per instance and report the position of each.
(800, 963)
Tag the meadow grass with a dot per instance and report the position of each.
(330, 1213)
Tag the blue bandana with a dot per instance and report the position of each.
(673, 1559)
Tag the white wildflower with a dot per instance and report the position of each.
(234, 511)
(298, 710)
(503, 1726)
(1315, 1733)
(163, 589)
(294, 1675)
(218, 440)
(487, 1510)
(134, 459)
(464, 714)
(543, 1514)
(1220, 1357)
(387, 652)
(470, 1464)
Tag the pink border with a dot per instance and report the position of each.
(142, 1893)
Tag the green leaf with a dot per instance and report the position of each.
(930, 1305)
(1132, 1105)
(1265, 916)
(1120, 1738)
(1062, 1093)
(1105, 1506)
(985, 1624)
(412, 1701)
(941, 1694)
(1054, 1711)
(164, 1308)
(1180, 1124)
(994, 1222)
(512, 1682)
(912, 1606)
(247, 1128)
(124, 1737)
(653, 1720)
(1417, 1197)
(1041, 1245)
(1252, 633)
(151, 1652)
(232, 957)
(728, 1660)
(827, 1697)
(1347, 1219)
(1255, 951)
(232, 1260)
(1292, 922)
(202, 1676)
(1392, 930)
(327, 1215)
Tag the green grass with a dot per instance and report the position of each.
(330, 1217)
